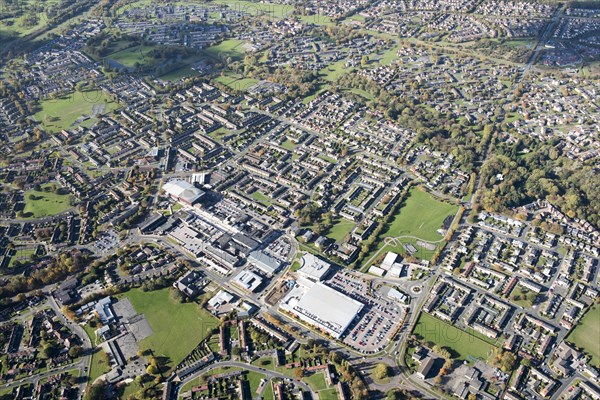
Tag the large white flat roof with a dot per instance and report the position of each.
(313, 267)
(328, 309)
(183, 190)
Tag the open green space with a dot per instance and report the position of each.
(100, 364)
(288, 144)
(316, 381)
(179, 73)
(261, 197)
(30, 17)
(328, 394)
(42, 204)
(522, 297)
(334, 71)
(177, 327)
(62, 113)
(420, 216)
(236, 82)
(131, 56)
(586, 334)
(227, 48)
(461, 344)
(362, 93)
(268, 393)
(340, 229)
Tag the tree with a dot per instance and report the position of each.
(96, 391)
(299, 373)
(75, 351)
(382, 371)
(50, 349)
(152, 369)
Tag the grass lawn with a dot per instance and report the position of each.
(236, 82)
(268, 393)
(254, 380)
(132, 55)
(128, 390)
(522, 297)
(261, 198)
(586, 334)
(100, 364)
(316, 381)
(178, 328)
(42, 204)
(340, 229)
(288, 144)
(328, 394)
(334, 71)
(227, 48)
(460, 343)
(179, 73)
(362, 93)
(62, 113)
(421, 216)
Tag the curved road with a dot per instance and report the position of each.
(248, 367)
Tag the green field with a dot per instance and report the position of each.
(421, 216)
(334, 71)
(316, 381)
(179, 73)
(268, 393)
(228, 48)
(460, 343)
(340, 229)
(132, 55)
(99, 365)
(236, 82)
(522, 297)
(42, 204)
(586, 334)
(261, 198)
(178, 328)
(61, 113)
(32, 16)
(328, 394)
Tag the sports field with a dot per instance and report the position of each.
(460, 343)
(421, 216)
(178, 328)
(586, 334)
(42, 204)
(67, 112)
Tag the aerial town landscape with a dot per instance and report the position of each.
(299, 199)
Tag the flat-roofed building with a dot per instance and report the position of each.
(325, 308)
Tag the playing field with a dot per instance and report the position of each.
(178, 328)
(62, 113)
(586, 334)
(460, 343)
(43, 204)
(421, 216)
